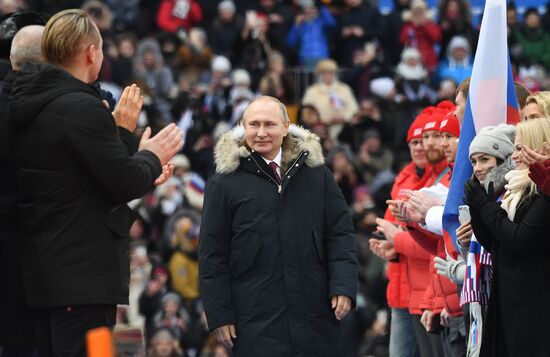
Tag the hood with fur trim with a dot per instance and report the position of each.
(231, 147)
(497, 173)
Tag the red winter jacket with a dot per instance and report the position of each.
(415, 269)
(171, 18)
(440, 292)
(417, 259)
(398, 276)
(423, 38)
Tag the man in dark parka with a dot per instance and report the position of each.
(278, 262)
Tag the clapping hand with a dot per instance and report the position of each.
(128, 108)
(389, 229)
(475, 194)
(530, 156)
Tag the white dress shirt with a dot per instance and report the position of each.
(277, 160)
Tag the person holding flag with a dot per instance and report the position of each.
(491, 100)
(515, 233)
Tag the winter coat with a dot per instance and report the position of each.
(75, 176)
(17, 322)
(458, 72)
(423, 38)
(173, 15)
(440, 292)
(332, 100)
(417, 272)
(311, 37)
(535, 46)
(184, 270)
(517, 315)
(398, 286)
(270, 261)
(368, 18)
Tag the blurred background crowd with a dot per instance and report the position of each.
(355, 72)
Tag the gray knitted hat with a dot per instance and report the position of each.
(497, 141)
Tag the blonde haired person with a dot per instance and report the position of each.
(76, 171)
(515, 232)
(333, 99)
(537, 106)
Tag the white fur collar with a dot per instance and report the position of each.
(231, 147)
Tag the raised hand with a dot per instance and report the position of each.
(128, 108)
(165, 144)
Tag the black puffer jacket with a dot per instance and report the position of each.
(75, 176)
(270, 261)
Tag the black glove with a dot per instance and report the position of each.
(475, 195)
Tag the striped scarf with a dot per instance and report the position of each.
(479, 272)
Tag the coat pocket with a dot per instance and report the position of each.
(120, 219)
(319, 243)
(243, 254)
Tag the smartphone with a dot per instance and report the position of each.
(464, 214)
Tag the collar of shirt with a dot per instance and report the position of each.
(277, 160)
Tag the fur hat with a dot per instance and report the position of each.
(497, 141)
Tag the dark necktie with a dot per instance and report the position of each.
(274, 166)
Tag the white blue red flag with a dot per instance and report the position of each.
(491, 101)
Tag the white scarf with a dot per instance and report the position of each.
(517, 182)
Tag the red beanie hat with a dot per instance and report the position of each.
(435, 119)
(450, 125)
(417, 126)
(446, 105)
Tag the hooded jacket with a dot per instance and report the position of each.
(75, 177)
(270, 261)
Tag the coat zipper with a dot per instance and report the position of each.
(279, 187)
(265, 173)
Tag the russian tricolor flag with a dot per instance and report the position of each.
(491, 101)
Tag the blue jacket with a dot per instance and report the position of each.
(458, 72)
(311, 36)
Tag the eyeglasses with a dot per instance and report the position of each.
(415, 142)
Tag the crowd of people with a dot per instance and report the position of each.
(386, 95)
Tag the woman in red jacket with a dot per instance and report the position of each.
(178, 14)
(421, 33)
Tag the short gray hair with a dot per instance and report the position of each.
(282, 107)
(25, 46)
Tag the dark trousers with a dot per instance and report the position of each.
(429, 344)
(61, 331)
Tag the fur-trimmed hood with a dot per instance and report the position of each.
(231, 147)
(497, 173)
